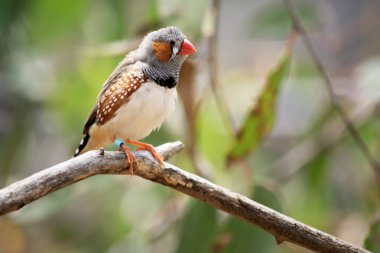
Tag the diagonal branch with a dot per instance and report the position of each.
(93, 163)
(297, 24)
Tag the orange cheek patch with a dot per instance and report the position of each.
(162, 50)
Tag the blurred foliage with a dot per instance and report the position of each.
(275, 22)
(260, 120)
(55, 55)
(245, 238)
(372, 241)
(198, 229)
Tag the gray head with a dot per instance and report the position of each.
(163, 52)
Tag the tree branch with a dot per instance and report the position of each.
(92, 163)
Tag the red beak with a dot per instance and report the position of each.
(187, 48)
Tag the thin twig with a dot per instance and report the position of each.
(93, 163)
(114, 48)
(297, 24)
(213, 70)
(306, 150)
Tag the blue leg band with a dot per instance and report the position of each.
(118, 143)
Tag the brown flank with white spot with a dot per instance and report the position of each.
(117, 95)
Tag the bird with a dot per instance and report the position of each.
(138, 95)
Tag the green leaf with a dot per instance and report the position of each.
(198, 229)
(372, 242)
(261, 117)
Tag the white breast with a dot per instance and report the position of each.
(146, 110)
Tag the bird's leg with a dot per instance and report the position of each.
(149, 148)
(130, 156)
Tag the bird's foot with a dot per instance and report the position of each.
(130, 156)
(149, 148)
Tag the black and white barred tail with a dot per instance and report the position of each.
(82, 144)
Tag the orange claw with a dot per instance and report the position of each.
(149, 148)
(130, 157)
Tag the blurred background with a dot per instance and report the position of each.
(55, 56)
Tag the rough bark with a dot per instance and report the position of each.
(92, 163)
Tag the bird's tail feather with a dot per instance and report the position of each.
(82, 144)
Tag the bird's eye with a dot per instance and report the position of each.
(172, 43)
